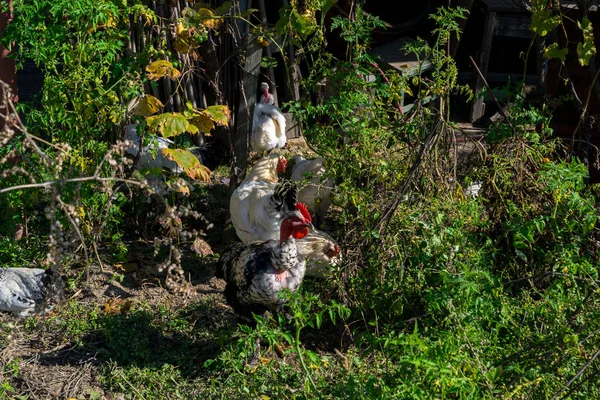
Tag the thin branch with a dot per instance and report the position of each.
(577, 375)
(500, 109)
(63, 181)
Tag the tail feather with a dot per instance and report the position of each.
(285, 196)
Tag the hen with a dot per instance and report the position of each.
(268, 124)
(257, 272)
(258, 205)
(315, 191)
(25, 291)
(320, 251)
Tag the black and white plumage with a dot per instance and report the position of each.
(257, 272)
(26, 291)
(268, 124)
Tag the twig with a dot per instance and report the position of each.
(63, 181)
(500, 109)
(577, 375)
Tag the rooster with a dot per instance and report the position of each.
(258, 205)
(26, 291)
(268, 124)
(315, 191)
(257, 272)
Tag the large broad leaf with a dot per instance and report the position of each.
(325, 7)
(168, 124)
(144, 105)
(201, 122)
(219, 114)
(554, 51)
(542, 22)
(586, 49)
(162, 68)
(189, 163)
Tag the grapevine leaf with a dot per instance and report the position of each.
(168, 124)
(586, 49)
(219, 114)
(189, 163)
(554, 51)
(144, 105)
(162, 68)
(542, 22)
(201, 122)
(207, 18)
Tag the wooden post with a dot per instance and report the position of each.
(478, 107)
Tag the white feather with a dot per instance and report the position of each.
(268, 128)
(315, 191)
(22, 290)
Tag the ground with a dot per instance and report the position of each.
(124, 318)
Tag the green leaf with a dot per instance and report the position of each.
(189, 163)
(542, 22)
(319, 319)
(201, 123)
(220, 114)
(168, 124)
(586, 49)
(268, 62)
(554, 51)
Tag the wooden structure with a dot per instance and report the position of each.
(502, 18)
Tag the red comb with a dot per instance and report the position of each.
(281, 165)
(304, 211)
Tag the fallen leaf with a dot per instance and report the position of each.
(117, 306)
(201, 247)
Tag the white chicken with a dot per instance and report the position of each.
(320, 252)
(257, 206)
(315, 191)
(268, 124)
(26, 291)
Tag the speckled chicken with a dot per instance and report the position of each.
(257, 272)
(26, 291)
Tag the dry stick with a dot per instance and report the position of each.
(500, 109)
(411, 175)
(62, 181)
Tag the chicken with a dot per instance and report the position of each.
(147, 158)
(320, 251)
(258, 205)
(315, 191)
(25, 291)
(268, 124)
(255, 273)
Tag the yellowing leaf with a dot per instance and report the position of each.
(202, 122)
(144, 105)
(219, 114)
(189, 163)
(542, 22)
(207, 17)
(162, 68)
(168, 124)
(182, 45)
(117, 306)
(554, 51)
(586, 49)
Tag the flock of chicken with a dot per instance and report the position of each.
(272, 218)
